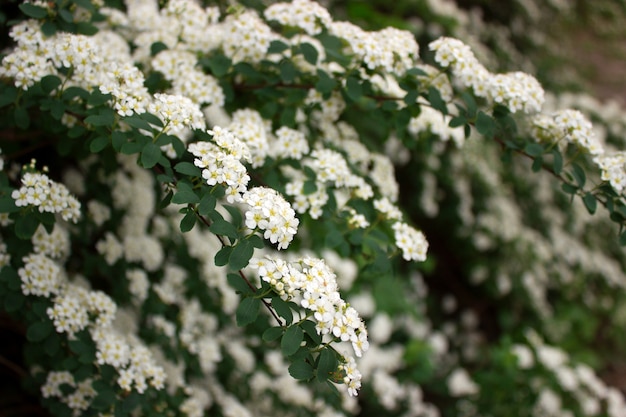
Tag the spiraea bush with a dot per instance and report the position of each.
(248, 210)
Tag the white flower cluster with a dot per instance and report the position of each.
(135, 364)
(310, 283)
(289, 143)
(79, 400)
(460, 383)
(177, 113)
(49, 196)
(125, 83)
(221, 162)
(271, 213)
(75, 308)
(194, 22)
(412, 242)
(391, 50)
(389, 210)
(246, 37)
(567, 126)
(179, 68)
(517, 91)
(36, 56)
(431, 120)
(249, 127)
(304, 14)
(331, 169)
(40, 276)
(56, 245)
(613, 168)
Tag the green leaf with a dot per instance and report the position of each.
(435, 100)
(49, 83)
(219, 65)
(137, 122)
(590, 202)
(579, 175)
(325, 84)
(207, 204)
(117, 140)
(14, 302)
(457, 121)
(485, 125)
(534, 149)
(569, 188)
(238, 283)
(150, 155)
(21, 118)
(187, 168)
(291, 340)
(622, 238)
(272, 334)
(354, 90)
(411, 97)
(188, 221)
(277, 47)
(33, 11)
(557, 161)
(26, 226)
(327, 364)
(105, 399)
(152, 119)
(537, 164)
(7, 205)
(157, 47)
(224, 228)
(301, 370)
(283, 309)
(98, 144)
(39, 330)
(8, 95)
(247, 311)
(309, 187)
(185, 196)
(471, 104)
(66, 15)
(256, 241)
(288, 70)
(222, 255)
(241, 254)
(309, 328)
(102, 119)
(310, 53)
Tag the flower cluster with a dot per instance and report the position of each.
(79, 400)
(40, 276)
(310, 283)
(391, 50)
(177, 113)
(331, 169)
(135, 364)
(49, 196)
(179, 68)
(613, 168)
(517, 91)
(412, 242)
(246, 37)
(430, 120)
(567, 126)
(221, 162)
(304, 14)
(249, 127)
(289, 143)
(125, 83)
(271, 213)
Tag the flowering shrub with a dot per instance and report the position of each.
(242, 211)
